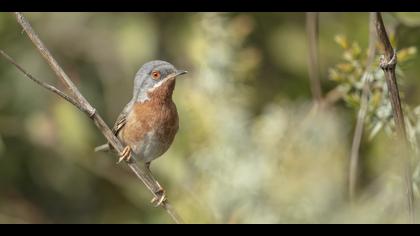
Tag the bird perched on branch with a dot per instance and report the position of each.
(149, 122)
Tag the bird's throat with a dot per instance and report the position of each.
(163, 92)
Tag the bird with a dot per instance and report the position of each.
(149, 122)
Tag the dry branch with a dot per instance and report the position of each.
(388, 64)
(78, 100)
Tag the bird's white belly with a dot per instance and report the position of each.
(150, 148)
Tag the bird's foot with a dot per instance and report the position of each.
(160, 197)
(125, 155)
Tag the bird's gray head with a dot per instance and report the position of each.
(152, 75)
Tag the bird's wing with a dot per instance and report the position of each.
(119, 123)
(121, 119)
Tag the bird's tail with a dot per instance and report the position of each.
(102, 148)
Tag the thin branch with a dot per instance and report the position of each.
(81, 103)
(354, 156)
(53, 63)
(388, 64)
(41, 83)
(312, 19)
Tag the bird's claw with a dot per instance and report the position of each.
(160, 198)
(125, 155)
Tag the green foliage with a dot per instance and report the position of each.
(350, 76)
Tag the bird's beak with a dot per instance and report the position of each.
(174, 75)
(181, 72)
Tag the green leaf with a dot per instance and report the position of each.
(342, 41)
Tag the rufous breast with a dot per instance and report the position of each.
(152, 125)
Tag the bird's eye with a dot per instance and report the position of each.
(155, 75)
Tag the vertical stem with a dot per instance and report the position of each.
(312, 19)
(388, 65)
(358, 133)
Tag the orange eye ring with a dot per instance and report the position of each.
(156, 75)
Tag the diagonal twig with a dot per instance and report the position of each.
(43, 84)
(388, 64)
(78, 100)
(354, 156)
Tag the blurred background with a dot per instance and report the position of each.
(250, 148)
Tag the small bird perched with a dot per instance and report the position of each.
(149, 122)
